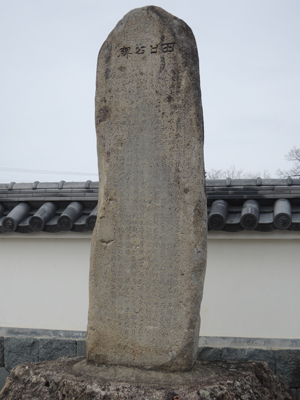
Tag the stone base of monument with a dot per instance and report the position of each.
(71, 378)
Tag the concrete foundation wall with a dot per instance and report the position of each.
(251, 287)
(16, 349)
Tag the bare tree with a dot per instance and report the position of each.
(231, 172)
(294, 156)
(235, 173)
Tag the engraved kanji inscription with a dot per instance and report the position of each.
(140, 49)
(125, 51)
(167, 47)
(154, 49)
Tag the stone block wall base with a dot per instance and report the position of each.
(3, 376)
(70, 378)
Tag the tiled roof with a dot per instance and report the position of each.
(48, 207)
(233, 205)
(253, 204)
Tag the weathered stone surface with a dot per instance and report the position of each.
(249, 354)
(209, 353)
(296, 393)
(81, 348)
(148, 251)
(62, 379)
(288, 366)
(52, 349)
(3, 376)
(18, 350)
(1, 352)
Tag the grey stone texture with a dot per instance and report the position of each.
(52, 349)
(18, 350)
(244, 354)
(50, 333)
(61, 379)
(3, 375)
(265, 343)
(296, 393)
(286, 361)
(288, 366)
(209, 353)
(81, 348)
(148, 253)
(1, 352)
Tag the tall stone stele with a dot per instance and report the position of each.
(148, 253)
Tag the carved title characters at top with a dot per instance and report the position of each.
(167, 47)
(125, 51)
(153, 49)
(140, 50)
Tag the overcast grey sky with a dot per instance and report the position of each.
(250, 80)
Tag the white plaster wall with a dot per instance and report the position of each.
(44, 280)
(251, 287)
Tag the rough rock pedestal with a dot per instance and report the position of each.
(148, 253)
(72, 379)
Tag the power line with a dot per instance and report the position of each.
(44, 171)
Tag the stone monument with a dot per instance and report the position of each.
(148, 253)
(149, 244)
